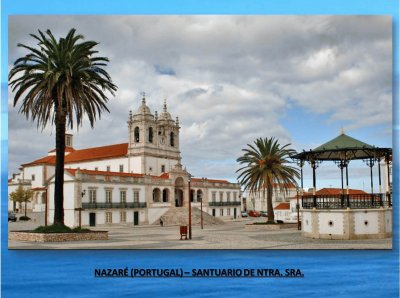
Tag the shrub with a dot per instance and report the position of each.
(24, 218)
(59, 229)
(80, 230)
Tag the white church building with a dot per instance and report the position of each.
(130, 183)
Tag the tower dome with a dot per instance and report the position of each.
(165, 115)
(143, 109)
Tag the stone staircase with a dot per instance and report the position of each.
(179, 216)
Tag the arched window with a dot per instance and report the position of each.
(136, 135)
(150, 134)
(199, 195)
(165, 195)
(156, 195)
(172, 141)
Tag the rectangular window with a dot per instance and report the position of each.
(234, 196)
(228, 211)
(108, 196)
(121, 168)
(108, 168)
(123, 216)
(68, 141)
(228, 197)
(123, 196)
(92, 195)
(96, 168)
(221, 212)
(33, 177)
(214, 196)
(162, 168)
(108, 217)
(136, 196)
(221, 196)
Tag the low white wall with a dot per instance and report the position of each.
(347, 223)
(306, 223)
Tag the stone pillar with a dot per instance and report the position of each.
(314, 223)
(381, 223)
(348, 224)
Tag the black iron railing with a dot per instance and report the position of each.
(359, 201)
(233, 203)
(113, 205)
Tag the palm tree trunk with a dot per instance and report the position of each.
(59, 174)
(270, 209)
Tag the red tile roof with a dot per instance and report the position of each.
(43, 160)
(209, 180)
(338, 191)
(103, 152)
(67, 149)
(283, 206)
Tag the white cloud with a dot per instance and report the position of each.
(230, 79)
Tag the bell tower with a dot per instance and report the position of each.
(153, 141)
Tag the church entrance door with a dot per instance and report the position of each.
(179, 186)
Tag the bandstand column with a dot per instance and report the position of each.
(379, 175)
(388, 171)
(314, 165)
(371, 164)
(300, 163)
(347, 178)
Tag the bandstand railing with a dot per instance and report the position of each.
(343, 201)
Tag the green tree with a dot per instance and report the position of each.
(59, 82)
(265, 164)
(21, 195)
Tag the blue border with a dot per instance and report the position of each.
(328, 273)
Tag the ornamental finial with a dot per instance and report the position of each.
(144, 98)
(165, 105)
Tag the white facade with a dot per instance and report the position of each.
(133, 183)
(258, 200)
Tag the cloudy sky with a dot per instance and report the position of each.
(231, 79)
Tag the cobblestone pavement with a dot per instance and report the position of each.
(232, 235)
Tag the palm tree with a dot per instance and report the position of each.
(59, 82)
(266, 164)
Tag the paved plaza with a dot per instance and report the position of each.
(231, 235)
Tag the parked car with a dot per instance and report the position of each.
(12, 216)
(244, 214)
(254, 213)
(263, 213)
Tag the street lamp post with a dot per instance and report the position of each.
(190, 210)
(80, 209)
(45, 210)
(298, 211)
(201, 209)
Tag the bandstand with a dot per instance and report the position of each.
(347, 215)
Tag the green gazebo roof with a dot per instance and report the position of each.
(344, 147)
(343, 142)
